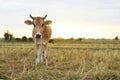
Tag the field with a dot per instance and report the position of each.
(68, 60)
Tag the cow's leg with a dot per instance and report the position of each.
(37, 55)
(41, 56)
(45, 55)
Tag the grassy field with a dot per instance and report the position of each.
(68, 60)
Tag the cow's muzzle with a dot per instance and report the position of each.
(38, 36)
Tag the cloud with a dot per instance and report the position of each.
(9, 4)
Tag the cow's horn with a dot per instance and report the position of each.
(31, 16)
(45, 16)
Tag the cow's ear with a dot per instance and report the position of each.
(48, 22)
(28, 22)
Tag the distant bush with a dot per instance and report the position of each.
(24, 38)
(51, 41)
(17, 39)
(30, 39)
(80, 39)
(116, 38)
(71, 38)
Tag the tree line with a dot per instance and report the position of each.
(9, 37)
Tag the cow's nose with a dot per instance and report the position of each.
(38, 36)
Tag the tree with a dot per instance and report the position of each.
(6, 35)
(24, 38)
(30, 39)
(11, 36)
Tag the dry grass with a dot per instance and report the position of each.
(67, 61)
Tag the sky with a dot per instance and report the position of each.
(71, 18)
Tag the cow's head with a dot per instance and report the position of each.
(38, 23)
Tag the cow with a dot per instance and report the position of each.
(41, 34)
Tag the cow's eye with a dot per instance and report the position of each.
(42, 25)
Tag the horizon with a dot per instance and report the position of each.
(77, 19)
(59, 37)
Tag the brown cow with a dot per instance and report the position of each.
(41, 34)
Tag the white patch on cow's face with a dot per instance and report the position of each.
(38, 32)
(38, 27)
